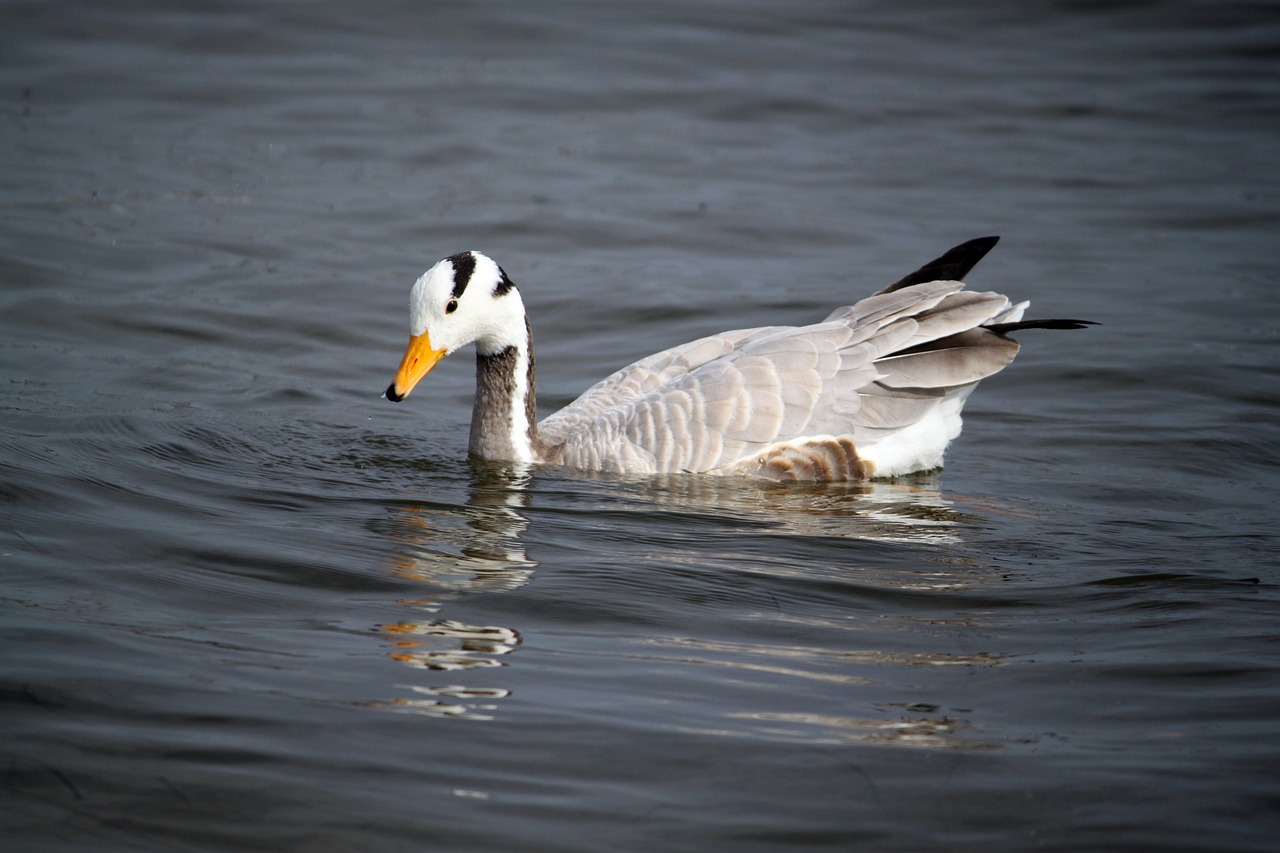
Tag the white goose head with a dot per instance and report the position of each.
(465, 298)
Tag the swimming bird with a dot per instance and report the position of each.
(874, 390)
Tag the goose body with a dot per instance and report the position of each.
(874, 390)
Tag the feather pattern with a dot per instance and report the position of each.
(874, 390)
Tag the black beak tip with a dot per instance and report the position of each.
(391, 393)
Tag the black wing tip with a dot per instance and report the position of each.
(1061, 323)
(986, 244)
(953, 265)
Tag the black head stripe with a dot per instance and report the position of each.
(504, 284)
(464, 264)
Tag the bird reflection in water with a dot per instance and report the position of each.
(454, 551)
(912, 513)
(909, 509)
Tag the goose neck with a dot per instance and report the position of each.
(504, 418)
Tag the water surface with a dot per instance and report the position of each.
(248, 604)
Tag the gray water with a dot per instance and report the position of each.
(249, 605)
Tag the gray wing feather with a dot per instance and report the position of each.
(885, 307)
(636, 380)
(955, 360)
(868, 370)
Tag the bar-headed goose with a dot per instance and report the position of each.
(874, 390)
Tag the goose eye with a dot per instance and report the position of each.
(451, 307)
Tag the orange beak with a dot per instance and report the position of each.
(417, 363)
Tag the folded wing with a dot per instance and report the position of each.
(869, 372)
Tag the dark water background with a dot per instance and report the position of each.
(246, 604)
